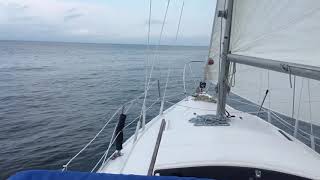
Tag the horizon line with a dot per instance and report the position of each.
(46, 41)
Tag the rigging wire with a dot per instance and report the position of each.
(293, 96)
(309, 101)
(298, 113)
(178, 29)
(159, 42)
(232, 76)
(293, 107)
(154, 59)
(147, 81)
(148, 45)
(269, 98)
(269, 103)
(169, 67)
(310, 115)
(260, 86)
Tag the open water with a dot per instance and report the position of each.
(54, 97)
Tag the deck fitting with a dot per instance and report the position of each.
(209, 120)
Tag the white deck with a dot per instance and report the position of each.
(247, 142)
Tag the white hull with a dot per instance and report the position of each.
(248, 142)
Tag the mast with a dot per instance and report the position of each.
(223, 86)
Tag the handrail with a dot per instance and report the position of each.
(164, 92)
(156, 147)
(184, 73)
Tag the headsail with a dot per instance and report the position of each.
(212, 65)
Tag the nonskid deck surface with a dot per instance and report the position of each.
(248, 142)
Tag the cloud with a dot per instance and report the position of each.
(14, 12)
(96, 21)
(16, 7)
(69, 17)
(72, 14)
(22, 18)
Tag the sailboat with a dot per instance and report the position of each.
(201, 136)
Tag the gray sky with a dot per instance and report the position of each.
(104, 21)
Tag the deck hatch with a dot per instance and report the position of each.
(227, 173)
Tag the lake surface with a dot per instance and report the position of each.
(56, 96)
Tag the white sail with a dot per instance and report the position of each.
(252, 83)
(212, 70)
(283, 30)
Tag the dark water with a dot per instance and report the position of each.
(56, 96)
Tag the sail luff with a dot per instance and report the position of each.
(212, 66)
(215, 19)
(207, 67)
